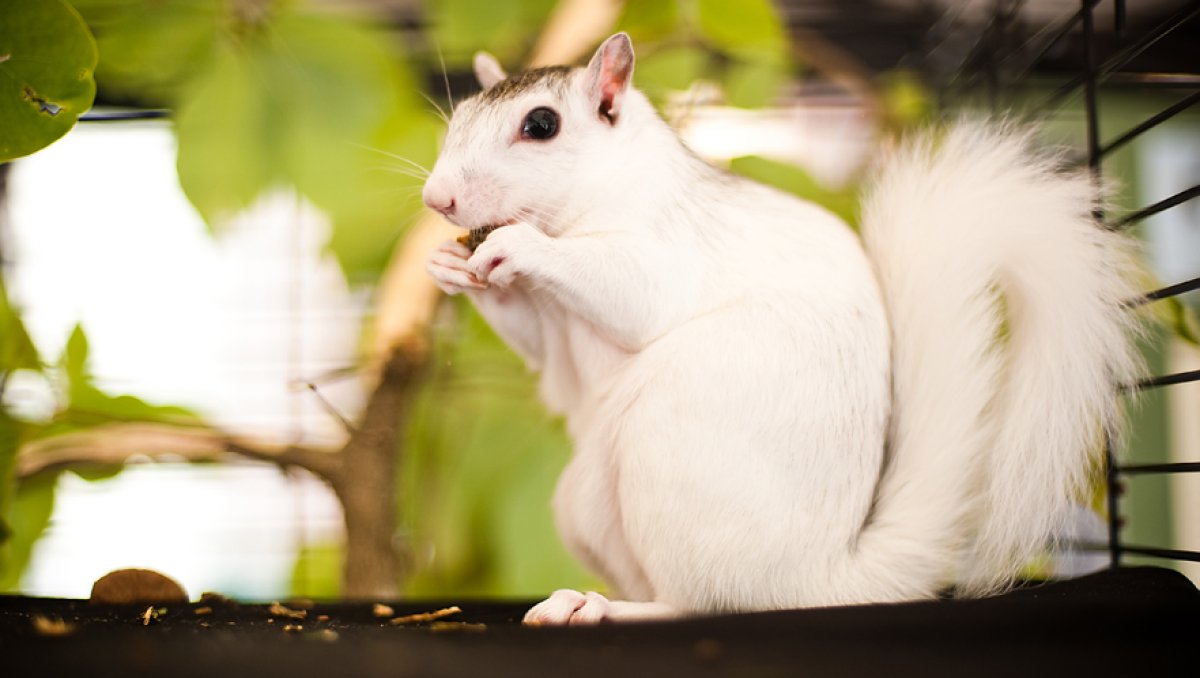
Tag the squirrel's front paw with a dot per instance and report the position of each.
(508, 252)
(448, 268)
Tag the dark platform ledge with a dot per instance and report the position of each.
(1132, 622)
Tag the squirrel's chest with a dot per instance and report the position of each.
(577, 358)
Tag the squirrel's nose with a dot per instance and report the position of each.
(442, 202)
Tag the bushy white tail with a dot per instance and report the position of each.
(1010, 339)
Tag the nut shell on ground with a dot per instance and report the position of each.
(121, 587)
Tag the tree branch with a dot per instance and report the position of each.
(114, 444)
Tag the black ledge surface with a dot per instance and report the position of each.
(1132, 622)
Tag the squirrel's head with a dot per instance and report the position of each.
(531, 146)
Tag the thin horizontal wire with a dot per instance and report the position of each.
(121, 116)
(1161, 31)
(1152, 122)
(1154, 551)
(1179, 467)
(1169, 291)
(1171, 554)
(1148, 80)
(1160, 206)
(1168, 380)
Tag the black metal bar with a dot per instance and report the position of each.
(1162, 205)
(1112, 494)
(123, 116)
(1168, 380)
(1089, 75)
(1148, 80)
(1111, 481)
(1170, 291)
(1152, 122)
(1178, 467)
(1147, 41)
(1123, 57)
(1059, 33)
(1170, 554)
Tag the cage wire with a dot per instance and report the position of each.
(1002, 59)
(1094, 74)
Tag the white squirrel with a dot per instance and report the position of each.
(766, 411)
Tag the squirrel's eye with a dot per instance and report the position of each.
(540, 124)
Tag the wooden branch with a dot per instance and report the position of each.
(574, 29)
(114, 444)
(366, 486)
(406, 296)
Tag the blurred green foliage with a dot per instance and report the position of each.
(22, 516)
(484, 457)
(841, 201)
(742, 46)
(47, 59)
(459, 28)
(25, 507)
(276, 94)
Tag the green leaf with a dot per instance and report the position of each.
(670, 70)
(743, 27)
(27, 517)
(842, 202)
(10, 442)
(317, 573)
(476, 485)
(907, 101)
(75, 357)
(317, 104)
(755, 82)
(17, 351)
(47, 61)
(649, 20)
(97, 473)
(459, 28)
(1180, 318)
(89, 406)
(148, 50)
(228, 137)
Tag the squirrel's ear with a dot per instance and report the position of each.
(609, 75)
(488, 70)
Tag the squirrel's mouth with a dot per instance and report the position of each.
(475, 237)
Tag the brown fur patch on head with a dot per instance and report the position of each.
(554, 77)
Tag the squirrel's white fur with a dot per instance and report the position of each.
(765, 413)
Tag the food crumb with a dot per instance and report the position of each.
(212, 598)
(381, 610)
(323, 617)
(283, 611)
(202, 610)
(55, 628)
(293, 628)
(426, 616)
